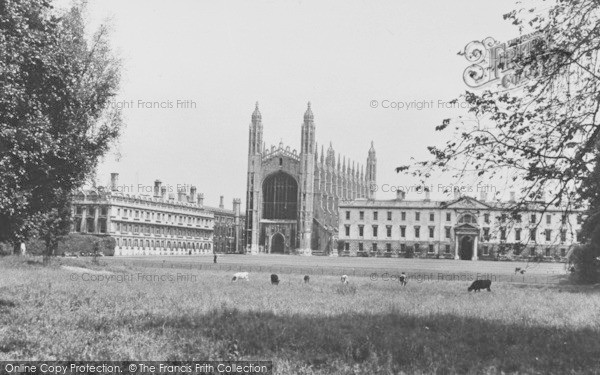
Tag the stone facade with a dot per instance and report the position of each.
(292, 197)
(228, 228)
(462, 228)
(145, 224)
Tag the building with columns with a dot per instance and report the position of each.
(160, 223)
(462, 228)
(292, 196)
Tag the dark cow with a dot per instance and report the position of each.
(403, 279)
(274, 279)
(306, 278)
(480, 284)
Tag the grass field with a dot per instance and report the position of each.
(187, 309)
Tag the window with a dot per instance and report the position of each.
(388, 230)
(486, 218)
(548, 234)
(518, 218)
(103, 211)
(402, 247)
(374, 246)
(563, 252)
(563, 219)
(532, 251)
(579, 219)
(416, 248)
(347, 246)
(375, 215)
(388, 247)
(403, 215)
(518, 234)
(361, 215)
(503, 218)
(402, 231)
(533, 218)
(431, 232)
(361, 230)
(448, 216)
(448, 229)
(486, 234)
(389, 215)
(347, 230)
(503, 234)
(447, 249)
(360, 246)
(579, 237)
(79, 210)
(532, 234)
(431, 216)
(430, 248)
(417, 232)
(375, 230)
(563, 235)
(347, 215)
(548, 219)
(486, 250)
(417, 216)
(547, 251)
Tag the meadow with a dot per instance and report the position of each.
(188, 309)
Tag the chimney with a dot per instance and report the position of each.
(400, 195)
(483, 196)
(163, 192)
(512, 197)
(200, 199)
(543, 196)
(171, 197)
(181, 195)
(427, 196)
(114, 181)
(157, 184)
(192, 194)
(221, 202)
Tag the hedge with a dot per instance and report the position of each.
(75, 243)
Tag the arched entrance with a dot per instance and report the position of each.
(466, 248)
(277, 244)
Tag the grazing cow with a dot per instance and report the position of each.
(344, 279)
(240, 276)
(306, 278)
(274, 279)
(403, 279)
(518, 269)
(480, 284)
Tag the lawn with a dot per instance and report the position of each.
(125, 309)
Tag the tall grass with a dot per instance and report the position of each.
(316, 328)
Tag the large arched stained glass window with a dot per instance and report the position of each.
(280, 197)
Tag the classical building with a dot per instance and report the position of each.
(228, 228)
(462, 228)
(158, 224)
(292, 197)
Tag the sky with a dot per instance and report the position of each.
(350, 59)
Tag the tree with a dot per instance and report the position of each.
(544, 134)
(54, 117)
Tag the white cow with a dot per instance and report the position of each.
(240, 275)
(344, 279)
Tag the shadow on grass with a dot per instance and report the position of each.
(436, 343)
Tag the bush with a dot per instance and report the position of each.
(76, 243)
(5, 248)
(410, 252)
(585, 263)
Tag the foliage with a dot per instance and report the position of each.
(54, 123)
(75, 243)
(586, 264)
(543, 135)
